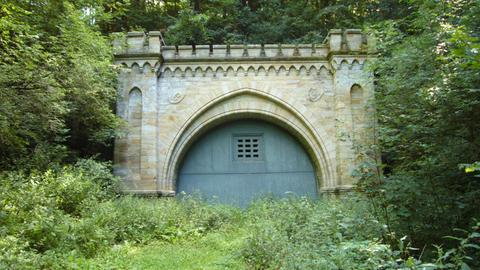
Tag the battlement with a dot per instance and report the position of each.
(137, 43)
(140, 44)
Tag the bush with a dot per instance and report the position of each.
(52, 220)
(328, 234)
(60, 218)
(140, 220)
(40, 211)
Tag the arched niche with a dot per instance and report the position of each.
(357, 108)
(134, 132)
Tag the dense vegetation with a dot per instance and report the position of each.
(57, 90)
(70, 218)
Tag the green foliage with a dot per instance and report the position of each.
(470, 168)
(427, 105)
(190, 28)
(56, 84)
(40, 211)
(49, 219)
(239, 21)
(329, 234)
(215, 251)
(56, 98)
(464, 255)
(70, 217)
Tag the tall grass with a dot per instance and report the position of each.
(60, 218)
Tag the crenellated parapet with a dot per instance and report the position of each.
(137, 48)
(243, 52)
(137, 44)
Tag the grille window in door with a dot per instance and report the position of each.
(248, 148)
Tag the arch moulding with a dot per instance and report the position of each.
(253, 104)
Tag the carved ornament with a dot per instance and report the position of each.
(315, 94)
(176, 98)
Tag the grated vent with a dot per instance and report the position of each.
(248, 147)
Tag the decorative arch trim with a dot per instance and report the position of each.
(253, 104)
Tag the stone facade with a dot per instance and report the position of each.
(170, 95)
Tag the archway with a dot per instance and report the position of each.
(253, 104)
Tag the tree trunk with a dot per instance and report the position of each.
(196, 6)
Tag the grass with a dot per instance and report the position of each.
(215, 250)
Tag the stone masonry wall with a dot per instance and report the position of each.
(319, 93)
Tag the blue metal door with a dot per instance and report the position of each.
(239, 161)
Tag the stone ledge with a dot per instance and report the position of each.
(151, 193)
(337, 189)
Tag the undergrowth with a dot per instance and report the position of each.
(73, 217)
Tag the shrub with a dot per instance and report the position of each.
(55, 219)
(139, 220)
(40, 211)
(60, 218)
(300, 234)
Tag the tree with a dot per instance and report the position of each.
(428, 104)
(56, 85)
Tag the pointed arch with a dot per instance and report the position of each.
(136, 68)
(134, 132)
(261, 71)
(357, 108)
(356, 95)
(250, 103)
(282, 70)
(189, 72)
(271, 70)
(241, 71)
(324, 71)
(251, 71)
(177, 72)
(343, 64)
(292, 71)
(208, 72)
(167, 72)
(198, 72)
(302, 71)
(230, 71)
(356, 65)
(147, 68)
(219, 72)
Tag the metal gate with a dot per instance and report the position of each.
(239, 161)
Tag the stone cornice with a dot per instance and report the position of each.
(242, 68)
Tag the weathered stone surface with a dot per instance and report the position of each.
(171, 95)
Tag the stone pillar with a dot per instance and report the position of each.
(135, 149)
(348, 54)
(120, 157)
(149, 129)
